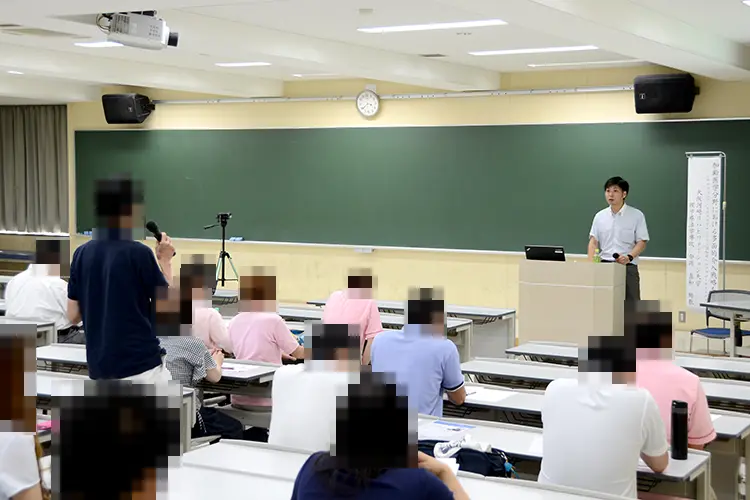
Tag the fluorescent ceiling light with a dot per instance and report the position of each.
(747, 2)
(313, 75)
(242, 64)
(586, 63)
(15, 72)
(98, 45)
(545, 50)
(434, 26)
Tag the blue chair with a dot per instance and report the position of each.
(722, 333)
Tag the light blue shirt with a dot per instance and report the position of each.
(425, 365)
(619, 232)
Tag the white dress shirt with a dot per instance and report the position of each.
(619, 232)
(34, 294)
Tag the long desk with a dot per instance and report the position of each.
(735, 309)
(237, 376)
(196, 478)
(493, 330)
(567, 354)
(45, 330)
(522, 407)
(2, 307)
(51, 385)
(725, 394)
(278, 462)
(459, 329)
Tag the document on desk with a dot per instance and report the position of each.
(239, 371)
(440, 430)
(476, 394)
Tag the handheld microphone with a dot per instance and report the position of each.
(154, 229)
(615, 255)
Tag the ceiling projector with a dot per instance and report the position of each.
(141, 31)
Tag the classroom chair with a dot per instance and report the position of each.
(721, 333)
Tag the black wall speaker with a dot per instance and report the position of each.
(664, 93)
(126, 108)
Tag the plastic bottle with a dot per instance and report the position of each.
(597, 255)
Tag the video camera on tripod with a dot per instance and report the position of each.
(222, 218)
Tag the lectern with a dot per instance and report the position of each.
(570, 301)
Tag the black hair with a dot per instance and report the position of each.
(116, 197)
(609, 354)
(130, 418)
(372, 435)
(48, 251)
(327, 339)
(359, 281)
(422, 309)
(619, 182)
(650, 329)
(197, 275)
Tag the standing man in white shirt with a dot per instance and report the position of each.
(40, 293)
(598, 425)
(621, 234)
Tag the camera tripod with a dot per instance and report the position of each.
(221, 278)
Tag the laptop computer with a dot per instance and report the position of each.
(542, 252)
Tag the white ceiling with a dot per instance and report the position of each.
(312, 37)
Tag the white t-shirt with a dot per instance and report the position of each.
(35, 294)
(303, 414)
(593, 435)
(19, 470)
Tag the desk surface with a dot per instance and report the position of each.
(464, 311)
(2, 306)
(262, 459)
(5, 279)
(50, 384)
(570, 352)
(38, 323)
(62, 353)
(730, 305)
(728, 425)
(715, 389)
(316, 314)
(226, 294)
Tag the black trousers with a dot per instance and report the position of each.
(212, 422)
(632, 282)
(72, 335)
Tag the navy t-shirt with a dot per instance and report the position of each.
(393, 484)
(115, 282)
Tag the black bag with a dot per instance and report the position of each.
(492, 464)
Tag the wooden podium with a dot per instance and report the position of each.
(570, 301)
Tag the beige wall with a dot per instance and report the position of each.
(476, 279)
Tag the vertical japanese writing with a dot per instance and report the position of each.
(703, 231)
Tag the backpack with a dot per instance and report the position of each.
(492, 464)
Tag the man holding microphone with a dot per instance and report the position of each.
(621, 234)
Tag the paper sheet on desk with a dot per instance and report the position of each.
(484, 395)
(714, 417)
(439, 430)
(239, 371)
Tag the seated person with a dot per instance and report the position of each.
(20, 475)
(208, 325)
(596, 426)
(137, 421)
(40, 293)
(355, 306)
(375, 455)
(189, 361)
(332, 363)
(658, 374)
(421, 357)
(258, 333)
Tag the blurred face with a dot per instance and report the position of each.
(615, 196)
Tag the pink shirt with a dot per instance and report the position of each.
(260, 336)
(208, 325)
(343, 307)
(667, 382)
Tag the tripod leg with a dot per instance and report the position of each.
(234, 269)
(218, 270)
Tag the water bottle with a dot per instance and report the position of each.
(679, 430)
(597, 255)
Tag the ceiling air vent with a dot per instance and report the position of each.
(432, 56)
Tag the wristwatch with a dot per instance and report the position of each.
(630, 257)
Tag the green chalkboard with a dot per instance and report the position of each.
(483, 187)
